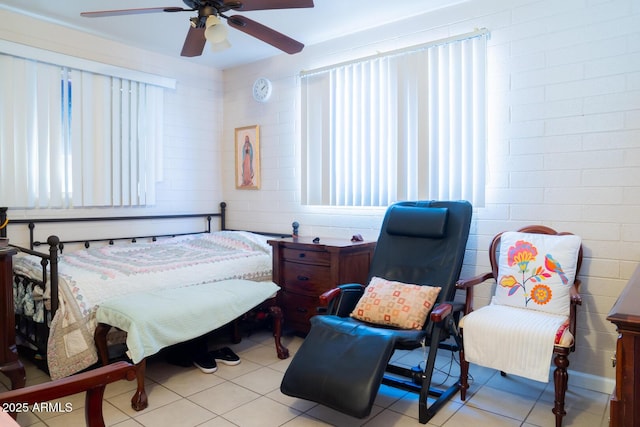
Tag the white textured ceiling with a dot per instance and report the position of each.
(165, 32)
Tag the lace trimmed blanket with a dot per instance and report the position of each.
(89, 277)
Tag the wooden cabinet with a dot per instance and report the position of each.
(304, 270)
(625, 314)
(10, 365)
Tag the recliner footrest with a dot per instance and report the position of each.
(340, 365)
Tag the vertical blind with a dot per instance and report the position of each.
(72, 138)
(404, 125)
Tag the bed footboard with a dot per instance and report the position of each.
(34, 307)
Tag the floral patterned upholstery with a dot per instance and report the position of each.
(536, 271)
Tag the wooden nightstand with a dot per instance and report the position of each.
(304, 270)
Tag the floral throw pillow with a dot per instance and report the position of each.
(536, 271)
(396, 304)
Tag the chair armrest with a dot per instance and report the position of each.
(327, 297)
(93, 382)
(575, 295)
(341, 300)
(473, 281)
(468, 284)
(441, 311)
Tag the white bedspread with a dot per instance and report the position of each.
(157, 319)
(522, 344)
(90, 277)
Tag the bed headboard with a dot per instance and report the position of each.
(31, 223)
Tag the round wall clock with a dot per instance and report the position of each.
(262, 89)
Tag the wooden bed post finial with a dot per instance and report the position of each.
(223, 225)
(53, 242)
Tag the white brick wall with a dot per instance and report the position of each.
(564, 135)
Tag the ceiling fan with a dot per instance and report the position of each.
(207, 25)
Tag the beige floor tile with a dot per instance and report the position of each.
(224, 397)
(128, 423)
(111, 415)
(504, 402)
(262, 355)
(157, 396)
(469, 416)
(305, 421)
(292, 402)
(479, 375)
(262, 412)
(390, 418)
(339, 419)
(28, 418)
(218, 422)
(119, 387)
(190, 381)
(262, 381)
(541, 415)
(517, 385)
(183, 413)
(578, 399)
(281, 365)
(46, 410)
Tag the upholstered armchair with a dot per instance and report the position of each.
(532, 314)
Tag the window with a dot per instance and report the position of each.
(72, 138)
(405, 125)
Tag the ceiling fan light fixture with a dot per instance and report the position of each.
(217, 47)
(206, 26)
(215, 32)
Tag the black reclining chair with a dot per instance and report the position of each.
(343, 361)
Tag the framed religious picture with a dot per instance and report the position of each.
(248, 158)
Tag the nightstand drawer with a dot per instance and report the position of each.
(298, 309)
(306, 278)
(311, 257)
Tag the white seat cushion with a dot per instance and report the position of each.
(513, 340)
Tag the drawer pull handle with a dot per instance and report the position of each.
(301, 309)
(303, 278)
(302, 255)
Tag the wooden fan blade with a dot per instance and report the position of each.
(194, 43)
(119, 12)
(266, 34)
(273, 4)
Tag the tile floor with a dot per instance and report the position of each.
(248, 395)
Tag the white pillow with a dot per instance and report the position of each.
(536, 271)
